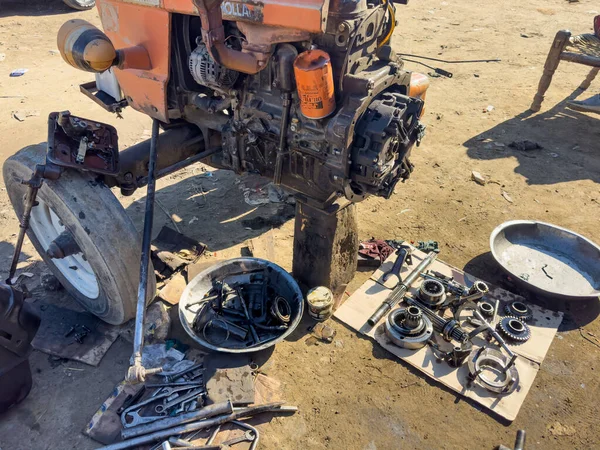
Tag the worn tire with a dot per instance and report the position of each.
(100, 226)
(81, 5)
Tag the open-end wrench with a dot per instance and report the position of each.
(136, 408)
(243, 438)
(167, 404)
(248, 436)
(136, 419)
(404, 255)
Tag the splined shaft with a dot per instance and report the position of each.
(448, 328)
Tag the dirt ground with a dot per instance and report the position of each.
(352, 394)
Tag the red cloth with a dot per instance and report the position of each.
(597, 26)
(376, 248)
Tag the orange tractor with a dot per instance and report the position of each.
(308, 93)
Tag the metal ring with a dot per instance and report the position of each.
(281, 309)
(405, 337)
(225, 327)
(493, 359)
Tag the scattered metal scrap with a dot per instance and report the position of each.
(242, 312)
(425, 321)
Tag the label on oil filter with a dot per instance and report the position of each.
(316, 98)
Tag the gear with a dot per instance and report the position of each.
(432, 293)
(519, 310)
(514, 329)
(413, 317)
(486, 309)
(400, 332)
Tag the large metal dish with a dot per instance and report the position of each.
(547, 259)
(202, 284)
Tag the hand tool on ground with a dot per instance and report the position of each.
(404, 255)
(400, 291)
(194, 426)
(248, 436)
(131, 399)
(169, 422)
(137, 372)
(168, 404)
(132, 412)
(250, 428)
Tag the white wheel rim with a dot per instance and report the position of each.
(47, 226)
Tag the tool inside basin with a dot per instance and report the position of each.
(549, 258)
(239, 271)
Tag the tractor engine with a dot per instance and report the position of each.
(309, 93)
(360, 147)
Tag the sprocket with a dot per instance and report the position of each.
(514, 329)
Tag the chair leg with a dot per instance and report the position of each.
(560, 41)
(588, 80)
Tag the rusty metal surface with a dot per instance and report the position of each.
(308, 15)
(128, 25)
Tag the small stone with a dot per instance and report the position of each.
(49, 282)
(507, 197)
(523, 35)
(489, 109)
(558, 429)
(478, 178)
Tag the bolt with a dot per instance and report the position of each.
(128, 177)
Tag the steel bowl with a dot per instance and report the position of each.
(278, 278)
(547, 259)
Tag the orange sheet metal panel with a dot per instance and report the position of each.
(307, 15)
(128, 25)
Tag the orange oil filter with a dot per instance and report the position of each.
(314, 80)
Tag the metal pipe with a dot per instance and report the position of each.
(520, 440)
(400, 291)
(281, 150)
(23, 226)
(194, 426)
(137, 372)
(169, 422)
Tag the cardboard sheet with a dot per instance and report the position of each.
(359, 307)
(53, 336)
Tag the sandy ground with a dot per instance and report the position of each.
(352, 394)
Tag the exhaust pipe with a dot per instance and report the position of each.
(213, 35)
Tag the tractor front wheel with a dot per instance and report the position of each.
(101, 271)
